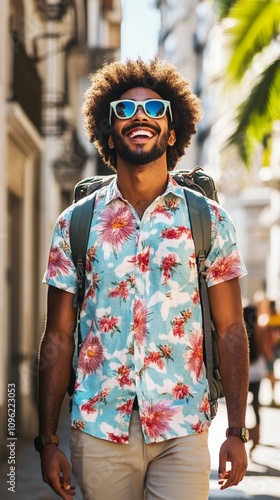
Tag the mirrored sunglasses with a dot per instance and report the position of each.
(125, 108)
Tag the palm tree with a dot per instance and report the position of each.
(254, 27)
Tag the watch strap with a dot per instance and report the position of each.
(41, 441)
(241, 432)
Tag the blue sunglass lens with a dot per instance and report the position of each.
(155, 109)
(125, 109)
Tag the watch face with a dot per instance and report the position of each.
(245, 435)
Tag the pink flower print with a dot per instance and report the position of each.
(181, 391)
(192, 261)
(140, 321)
(116, 227)
(142, 260)
(117, 439)
(109, 324)
(156, 418)
(168, 266)
(91, 354)
(123, 376)
(224, 267)
(175, 233)
(58, 263)
(194, 354)
(120, 290)
(91, 253)
(125, 408)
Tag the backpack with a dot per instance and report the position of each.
(198, 185)
(250, 320)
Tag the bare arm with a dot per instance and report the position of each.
(226, 309)
(55, 361)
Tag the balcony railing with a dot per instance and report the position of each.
(27, 85)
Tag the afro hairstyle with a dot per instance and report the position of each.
(115, 78)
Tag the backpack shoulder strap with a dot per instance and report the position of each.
(79, 233)
(201, 231)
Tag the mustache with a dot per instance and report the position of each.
(129, 128)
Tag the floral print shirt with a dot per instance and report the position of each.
(141, 321)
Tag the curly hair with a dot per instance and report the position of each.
(115, 78)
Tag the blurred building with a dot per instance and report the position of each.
(47, 50)
(192, 38)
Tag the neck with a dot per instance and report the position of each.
(141, 186)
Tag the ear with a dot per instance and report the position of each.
(172, 138)
(111, 143)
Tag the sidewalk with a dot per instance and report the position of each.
(262, 481)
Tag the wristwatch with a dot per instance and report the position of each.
(241, 432)
(41, 441)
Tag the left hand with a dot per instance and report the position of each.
(232, 450)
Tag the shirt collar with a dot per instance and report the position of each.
(114, 193)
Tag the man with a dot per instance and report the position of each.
(140, 411)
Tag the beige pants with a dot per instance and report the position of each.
(176, 469)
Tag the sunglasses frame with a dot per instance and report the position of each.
(114, 104)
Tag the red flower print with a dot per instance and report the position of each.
(140, 321)
(91, 253)
(117, 439)
(225, 267)
(78, 424)
(109, 324)
(156, 358)
(181, 391)
(125, 408)
(192, 261)
(179, 323)
(91, 354)
(175, 233)
(58, 263)
(89, 405)
(166, 351)
(205, 406)
(161, 209)
(120, 290)
(123, 376)
(62, 223)
(156, 418)
(142, 260)
(116, 227)
(168, 266)
(172, 204)
(217, 213)
(199, 427)
(196, 297)
(194, 354)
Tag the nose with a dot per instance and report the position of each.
(140, 113)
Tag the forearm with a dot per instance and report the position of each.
(55, 361)
(234, 369)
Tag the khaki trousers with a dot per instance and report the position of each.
(176, 469)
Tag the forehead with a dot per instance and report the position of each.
(140, 94)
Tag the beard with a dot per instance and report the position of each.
(141, 157)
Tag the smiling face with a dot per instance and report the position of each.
(141, 139)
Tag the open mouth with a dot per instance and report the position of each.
(140, 133)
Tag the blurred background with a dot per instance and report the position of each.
(229, 50)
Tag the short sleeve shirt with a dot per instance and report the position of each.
(141, 320)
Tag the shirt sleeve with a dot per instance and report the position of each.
(224, 261)
(61, 271)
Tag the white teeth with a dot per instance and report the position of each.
(135, 133)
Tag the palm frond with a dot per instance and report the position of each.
(256, 24)
(256, 115)
(223, 7)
